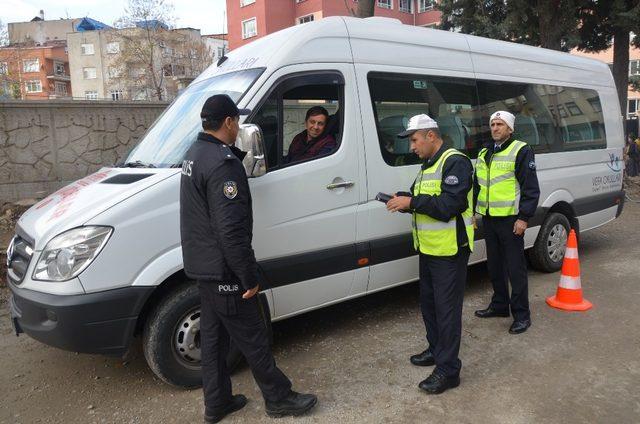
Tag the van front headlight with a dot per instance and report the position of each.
(69, 253)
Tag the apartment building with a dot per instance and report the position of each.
(217, 44)
(116, 64)
(31, 72)
(248, 20)
(40, 31)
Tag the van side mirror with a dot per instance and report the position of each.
(250, 140)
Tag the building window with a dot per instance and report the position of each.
(405, 6)
(116, 94)
(385, 4)
(305, 19)
(634, 67)
(61, 88)
(244, 3)
(4, 68)
(573, 108)
(632, 111)
(31, 65)
(91, 95)
(33, 86)
(249, 28)
(89, 73)
(58, 68)
(425, 5)
(86, 49)
(300, 1)
(220, 51)
(114, 72)
(113, 47)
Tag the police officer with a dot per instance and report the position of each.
(506, 193)
(441, 205)
(216, 227)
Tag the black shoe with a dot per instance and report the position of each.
(294, 404)
(236, 403)
(437, 383)
(490, 313)
(424, 359)
(520, 326)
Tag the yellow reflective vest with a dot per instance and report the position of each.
(499, 188)
(431, 236)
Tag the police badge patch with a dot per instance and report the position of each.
(451, 180)
(230, 189)
(532, 165)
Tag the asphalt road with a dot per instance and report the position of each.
(569, 367)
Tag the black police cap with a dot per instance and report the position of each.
(218, 107)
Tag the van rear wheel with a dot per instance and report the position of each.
(547, 252)
(171, 339)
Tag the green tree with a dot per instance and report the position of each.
(607, 22)
(546, 23)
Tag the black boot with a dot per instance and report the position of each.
(236, 403)
(293, 404)
(437, 383)
(424, 359)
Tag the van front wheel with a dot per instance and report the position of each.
(171, 339)
(547, 252)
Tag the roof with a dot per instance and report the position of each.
(88, 24)
(152, 24)
(387, 42)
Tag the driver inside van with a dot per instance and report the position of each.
(313, 141)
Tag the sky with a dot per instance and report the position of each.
(206, 15)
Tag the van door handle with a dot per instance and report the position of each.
(343, 184)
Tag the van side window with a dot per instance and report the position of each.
(579, 118)
(529, 103)
(301, 119)
(452, 102)
(548, 118)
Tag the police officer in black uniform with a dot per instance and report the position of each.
(441, 203)
(216, 225)
(505, 218)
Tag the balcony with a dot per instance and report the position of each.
(59, 77)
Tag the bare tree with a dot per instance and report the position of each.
(4, 34)
(144, 37)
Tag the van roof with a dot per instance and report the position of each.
(385, 41)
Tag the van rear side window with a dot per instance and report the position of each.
(549, 118)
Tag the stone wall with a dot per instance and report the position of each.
(44, 145)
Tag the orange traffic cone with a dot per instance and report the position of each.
(569, 294)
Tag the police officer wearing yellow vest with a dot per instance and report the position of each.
(506, 194)
(441, 205)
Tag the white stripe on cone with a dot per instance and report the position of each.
(571, 253)
(571, 283)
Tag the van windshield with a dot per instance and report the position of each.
(166, 142)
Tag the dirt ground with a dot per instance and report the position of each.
(569, 367)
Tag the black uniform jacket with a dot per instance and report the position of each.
(457, 180)
(216, 220)
(526, 176)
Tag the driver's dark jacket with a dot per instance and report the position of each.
(216, 221)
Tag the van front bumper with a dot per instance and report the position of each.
(101, 322)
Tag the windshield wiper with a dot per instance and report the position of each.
(138, 164)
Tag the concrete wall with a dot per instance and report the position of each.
(46, 145)
(41, 31)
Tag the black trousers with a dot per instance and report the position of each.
(442, 281)
(229, 317)
(506, 261)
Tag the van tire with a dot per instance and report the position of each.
(160, 330)
(550, 237)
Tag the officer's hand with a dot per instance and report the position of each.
(519, 227)
(250, 293)
(474, 222)
(398, 203)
